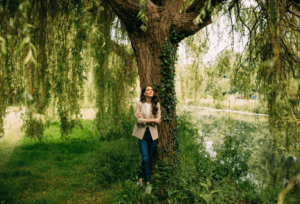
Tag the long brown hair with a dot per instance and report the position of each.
(154, 100)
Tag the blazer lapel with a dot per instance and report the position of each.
(150, 113)
(145, 109)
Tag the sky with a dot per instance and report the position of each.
(219, 39)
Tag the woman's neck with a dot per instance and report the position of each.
(148, 100)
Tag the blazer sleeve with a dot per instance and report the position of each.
(138, 109)
(158, 115)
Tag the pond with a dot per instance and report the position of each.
(242, 141)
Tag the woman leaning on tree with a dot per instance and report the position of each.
(147, 114)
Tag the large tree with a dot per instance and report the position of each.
(149, 24)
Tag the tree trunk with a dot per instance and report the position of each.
(163, 17)
(147, 47)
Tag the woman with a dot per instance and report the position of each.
(147, 113)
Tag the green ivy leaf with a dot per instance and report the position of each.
(3, 45)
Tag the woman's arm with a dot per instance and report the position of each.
(140, 120)
(158, 116)
(147, 120)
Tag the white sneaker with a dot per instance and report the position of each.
(139, 183)
(148, 189)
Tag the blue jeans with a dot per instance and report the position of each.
(147, 146)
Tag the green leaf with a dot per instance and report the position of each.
(140, 13)
(219, 7)
(3, 45)
(208, 183)
(34, 49)
(28, 57)
(214, 191)
(30, 26)
(144, 28)
(21, 45)
(206, 197)
(27, 39)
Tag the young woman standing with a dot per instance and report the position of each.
(147, 113)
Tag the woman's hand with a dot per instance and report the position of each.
(139, 115)
(157, 120)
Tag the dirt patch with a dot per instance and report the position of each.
(12, 134)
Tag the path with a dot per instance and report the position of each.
(206, 109)
(12, 127)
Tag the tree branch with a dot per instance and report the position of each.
(122, 52)
(127, 10)
(185, 21)
(119, 50)
(291, 185)
(187, 26)
(197, 5)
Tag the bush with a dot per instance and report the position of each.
(232, 160)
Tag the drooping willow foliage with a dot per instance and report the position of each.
(269, 63)
(191, 76)
(47, 50)
(272, 54)
(115, 73)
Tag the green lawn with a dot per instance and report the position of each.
(52, 170)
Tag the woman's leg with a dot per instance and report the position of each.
(144, 144)
(142, 147)
(151, 147)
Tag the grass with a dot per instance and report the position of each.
(51, 170)
(89, 168)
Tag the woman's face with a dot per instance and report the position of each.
(149, 91)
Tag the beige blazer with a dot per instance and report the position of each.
(140, 124)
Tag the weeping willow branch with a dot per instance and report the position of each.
(293, 182)
(273, 29)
